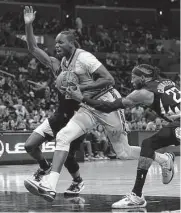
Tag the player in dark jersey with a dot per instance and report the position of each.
(162, 96)
(50, 127)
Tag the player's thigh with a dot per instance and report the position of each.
(78, 125)
(42, 133)
(168, 135)
(85, 119)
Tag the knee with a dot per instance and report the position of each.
(66, 135)
(71, 164)
(62, 141)
(147, 149)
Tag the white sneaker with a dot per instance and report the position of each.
(168, 168)
(32, 186)
(130, 201)
(45, 190)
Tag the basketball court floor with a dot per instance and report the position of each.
(105, 182)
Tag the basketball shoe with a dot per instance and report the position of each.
(75, 188)
(30, 183)
(130, 201)
(41, 188)
(168, 168)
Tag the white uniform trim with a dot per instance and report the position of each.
(44, 128)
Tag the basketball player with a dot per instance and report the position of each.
(49, 128)
(162, 96)
(94, 81)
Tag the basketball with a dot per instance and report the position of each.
(66, 79)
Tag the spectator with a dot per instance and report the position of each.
(78, 25)
(137, 113)
(21, 110)
(151, 126)
(158, 123)
(88, 147)
(160, 48)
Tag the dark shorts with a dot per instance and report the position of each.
(168, 135)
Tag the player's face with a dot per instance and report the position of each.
(137, 81)
(62, 46)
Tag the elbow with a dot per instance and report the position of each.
(111, 81)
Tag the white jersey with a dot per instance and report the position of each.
(83, 64)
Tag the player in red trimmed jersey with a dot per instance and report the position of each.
(162, 96)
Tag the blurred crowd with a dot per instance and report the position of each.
(135, 37)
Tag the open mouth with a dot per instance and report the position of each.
(59, 52)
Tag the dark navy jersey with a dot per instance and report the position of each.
(67, 106)
(167, 96)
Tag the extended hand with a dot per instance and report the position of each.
(74, 93)
(29, 15)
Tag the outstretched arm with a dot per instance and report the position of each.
(137, 97)
(29, 16)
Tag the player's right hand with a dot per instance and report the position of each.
(74, 93)
(29, 15)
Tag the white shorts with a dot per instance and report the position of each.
(44, 128)
(114, 122)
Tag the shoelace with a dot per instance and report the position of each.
(73, 185)
(128, 197)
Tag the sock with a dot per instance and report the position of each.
(78, 179)
(160, 158)
(144, 164)
(140, 180)
(44, 164)
(53, 178)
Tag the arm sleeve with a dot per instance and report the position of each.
(104, 106)
(89, 62)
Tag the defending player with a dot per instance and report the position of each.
(162, 96)
(95, 81)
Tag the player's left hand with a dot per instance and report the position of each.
(74, 93)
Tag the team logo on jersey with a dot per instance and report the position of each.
(177, 132)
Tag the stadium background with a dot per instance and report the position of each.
(121, 34)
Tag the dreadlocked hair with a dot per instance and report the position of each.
(147, 70)
(71, 37)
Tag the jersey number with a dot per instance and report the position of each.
(175, 92)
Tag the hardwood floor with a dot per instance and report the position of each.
(105, 182)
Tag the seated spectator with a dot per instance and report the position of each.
(21, 110)
(134, 126)
(144, 124)
(151, 126)
(160, 48)
(100, 142)
(148, 36)
(137, 113)
(88, 147)
(158, 123)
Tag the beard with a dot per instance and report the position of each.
(139, 85)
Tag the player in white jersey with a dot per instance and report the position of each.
(65, 110)
(95, 82)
